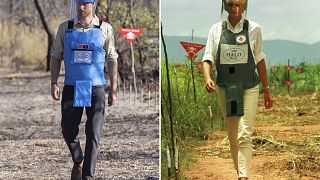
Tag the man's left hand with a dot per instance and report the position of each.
(112, 97)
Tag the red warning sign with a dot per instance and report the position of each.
(192, 48)
(130, 33)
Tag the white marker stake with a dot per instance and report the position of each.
(210, 112)
(177, 158)
(168, 157)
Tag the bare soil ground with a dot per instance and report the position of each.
(286, 144)
(31, 143)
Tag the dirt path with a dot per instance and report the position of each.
(286, 144)
(31, 144)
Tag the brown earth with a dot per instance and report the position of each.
(31, 144)
(286, 144)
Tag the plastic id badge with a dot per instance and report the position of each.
(234, 54)
(82, 94)
(82, 57)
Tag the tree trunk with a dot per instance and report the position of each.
(48, 31)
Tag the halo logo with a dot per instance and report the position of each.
(83, 57)
(234, 54)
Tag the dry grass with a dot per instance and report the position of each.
(289, 136)
(26, 45)
(286, 142)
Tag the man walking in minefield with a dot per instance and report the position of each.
(82, 43)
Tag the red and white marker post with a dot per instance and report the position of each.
(288, 82)
(131, 34)
(192, 49)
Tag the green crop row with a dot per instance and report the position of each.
(304, 78)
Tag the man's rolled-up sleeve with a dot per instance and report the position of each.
(112, 54)
(58, 44)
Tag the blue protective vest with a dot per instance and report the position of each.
(84, 56)
(235, 67)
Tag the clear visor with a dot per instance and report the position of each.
(225, 14)
(73, 8)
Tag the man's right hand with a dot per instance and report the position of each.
(210, 85)
(55, 92)
(112, 98)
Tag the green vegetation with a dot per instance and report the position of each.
(191, 118)
(305, 78)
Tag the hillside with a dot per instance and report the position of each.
(277, 51)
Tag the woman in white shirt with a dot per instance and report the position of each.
(234, 47)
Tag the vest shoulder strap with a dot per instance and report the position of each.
(246, 25)
(100, 22)
(224, 25)
(70, 24)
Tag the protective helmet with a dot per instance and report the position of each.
(86, 1)
(224, 13)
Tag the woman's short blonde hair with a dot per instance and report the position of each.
(242, 1)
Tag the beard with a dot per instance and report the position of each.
(82, 15)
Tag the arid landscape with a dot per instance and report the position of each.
(286, 144)
(31, 143)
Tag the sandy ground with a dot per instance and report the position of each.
(286, 144)
(31, 144)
